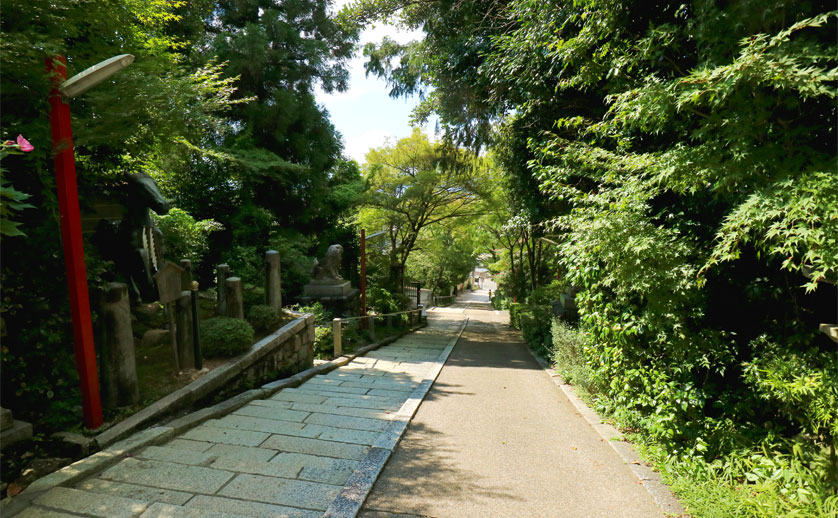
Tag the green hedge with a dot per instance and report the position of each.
(534, 323)
(224, 336)
(263, 317)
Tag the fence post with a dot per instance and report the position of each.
(235, 299)
(185, 345)
(119, 368)
(222, 271)
(336, 337)
(372, 329)
(196, 333)
(273, 282)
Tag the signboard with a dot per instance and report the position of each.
(168, 282)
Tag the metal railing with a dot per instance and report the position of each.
(414, 317)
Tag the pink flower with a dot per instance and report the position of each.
(24, 144)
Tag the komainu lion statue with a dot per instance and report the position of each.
(328, 268)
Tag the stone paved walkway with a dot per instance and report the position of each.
(286, 456)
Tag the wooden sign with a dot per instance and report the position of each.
(168, 282)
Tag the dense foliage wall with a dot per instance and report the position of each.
(684, 161)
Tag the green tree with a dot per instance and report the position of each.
(413, 185)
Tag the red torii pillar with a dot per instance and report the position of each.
(68, 205)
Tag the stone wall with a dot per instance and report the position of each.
(288, 351)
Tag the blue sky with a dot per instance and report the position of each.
(365, 115)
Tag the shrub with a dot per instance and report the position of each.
(544, 295)
(514, 314)
(534, 323)
(253, 296)
(224, 336)
(323, 343)
(183, 237)
(382, 301)
(321, 314)
(569, 355)
(293, 248)
(262, 317)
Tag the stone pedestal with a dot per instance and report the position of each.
(336, 295)
(327, 288)
(11, 430)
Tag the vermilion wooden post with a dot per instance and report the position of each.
(68, 205)
(364, 272)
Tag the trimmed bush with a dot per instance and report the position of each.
(225, 336)
(262, 317)
(534, 323)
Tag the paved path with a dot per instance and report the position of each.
(286, 456)
(495, 437)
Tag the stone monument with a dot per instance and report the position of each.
(328, 287)
(326, 281)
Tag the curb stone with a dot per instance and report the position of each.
(649, 479)
(353, 495)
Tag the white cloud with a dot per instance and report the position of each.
(357, 145)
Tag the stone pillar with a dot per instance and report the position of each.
(185, 344)
(337, 339)
(119, 368)
(222, 271)
(372, 329)
(235, 298)
(273, 281)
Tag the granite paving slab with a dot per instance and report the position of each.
(248, 508)
(341, 421)
(208, 433)
(148, 494)
(40, 512)
(241, 452)
(106, 506)
(288, 455)
(308, 495)
(173, 511)
(177, 455)
(256, 467)
(316, 447)
(166, 475)
(258, 424)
